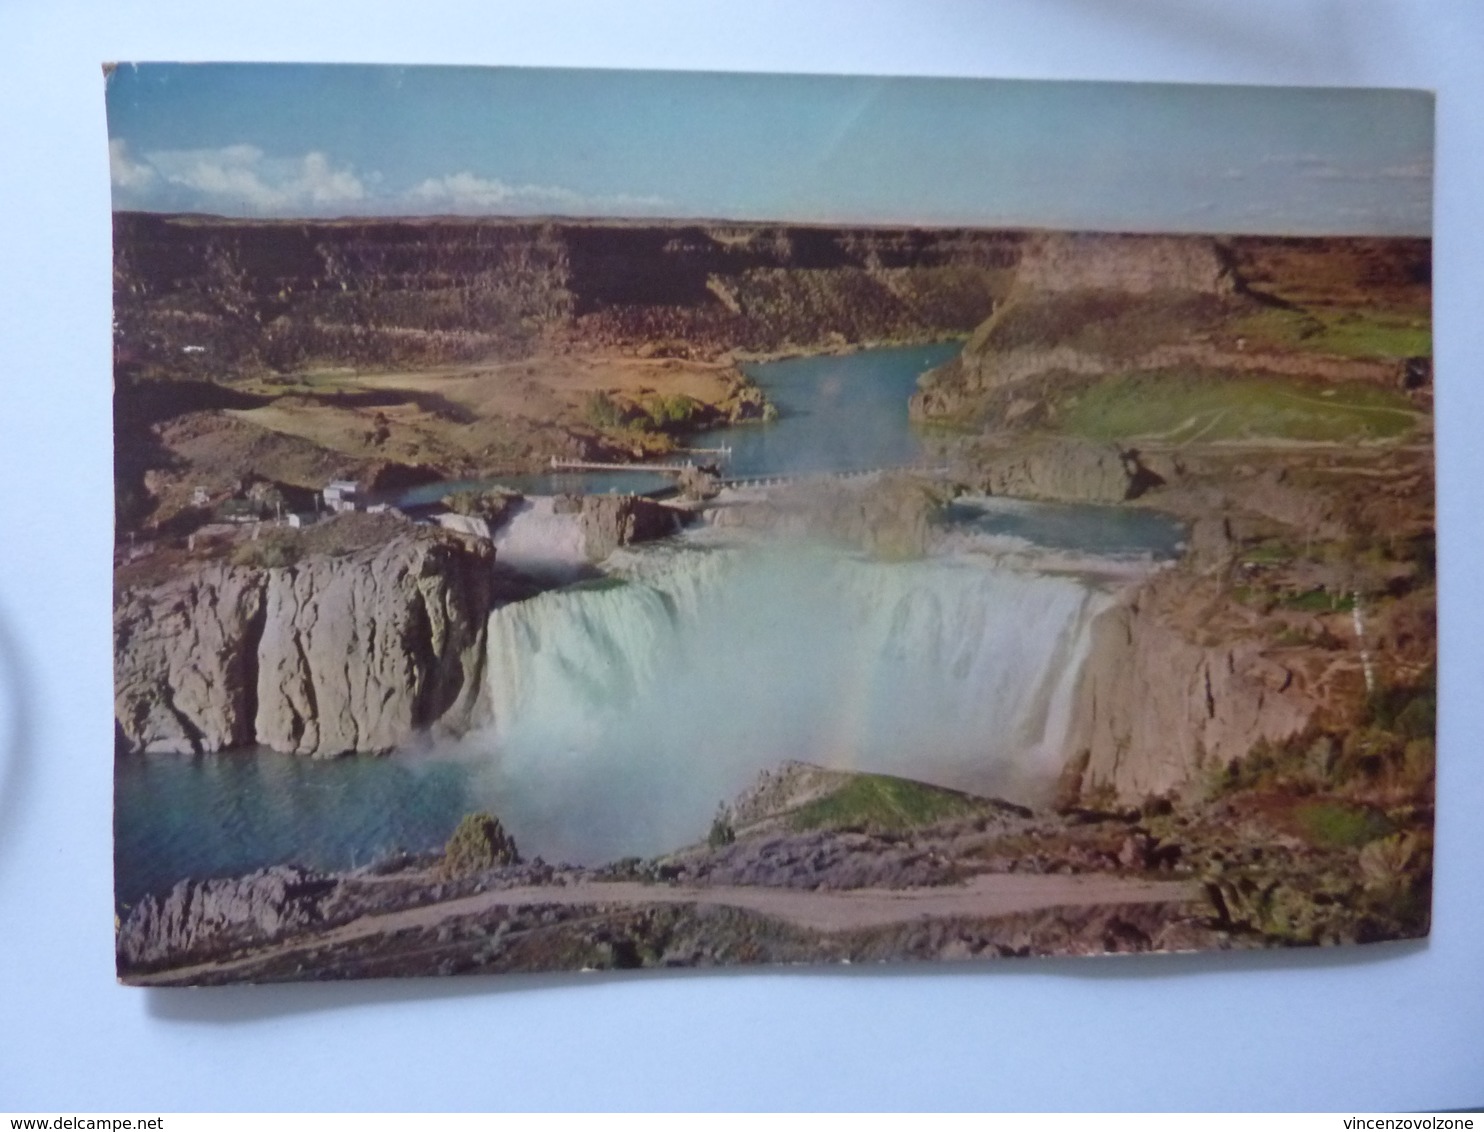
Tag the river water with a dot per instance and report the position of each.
(626, 711)
(837, 412)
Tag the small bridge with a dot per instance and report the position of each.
(559, 465)
(775, 479)
(850, 474)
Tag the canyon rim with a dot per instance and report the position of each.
(573, 520)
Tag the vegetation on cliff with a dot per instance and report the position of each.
(884, 801)
(478, 843)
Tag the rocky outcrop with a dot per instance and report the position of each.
(698, 483)
(611, 521)
(888, 515)
(1130, 264)
(746, 401)
(203, 917)
(1054, 469)
(328, 656)
(1155, 708)
(558, 538)
(471, 526)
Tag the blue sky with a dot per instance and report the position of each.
(305, 140)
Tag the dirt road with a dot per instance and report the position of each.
(984, 896)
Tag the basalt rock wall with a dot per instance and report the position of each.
(1082, 304)
(329, 656)
(245, 296)
(1156, 709)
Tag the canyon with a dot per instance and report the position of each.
(1050, 707)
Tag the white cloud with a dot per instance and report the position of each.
(243, 180)
(1292, 159)
(325, 184)
(465, 192)
(126, 173)
(1412, 171)
(1318, 168)
(242, 177)
(1309, 166)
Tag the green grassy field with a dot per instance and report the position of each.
(1340, 825)
(1351, 334)
(885, 802)
(1186, 407)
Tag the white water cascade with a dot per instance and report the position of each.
(541, 542)
(625, 710)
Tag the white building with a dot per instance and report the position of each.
(340, 495)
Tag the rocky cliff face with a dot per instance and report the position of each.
(199, 917)
(1155, 708)
(1085, 304)
(354, 657)
(1054, 469)
(329, 656)
(1128, 264)
(185, 662)
(279, 295)
(1079, 305)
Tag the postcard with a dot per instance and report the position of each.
(576, 520)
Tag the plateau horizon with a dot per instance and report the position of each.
(821, 223)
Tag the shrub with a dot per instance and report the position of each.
(479, 843)
(676, 411)
(492, 505)
(1396, 860)
(131, 503)
(1388, 749)
(722, 831)
(1396, 886)
(1335, 824)
(600, 410)
(1411, 710)
(1365, 753)
(1419, 719)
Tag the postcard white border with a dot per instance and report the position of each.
(1395, 1027)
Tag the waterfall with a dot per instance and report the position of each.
(624, 710)
(540, 542)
